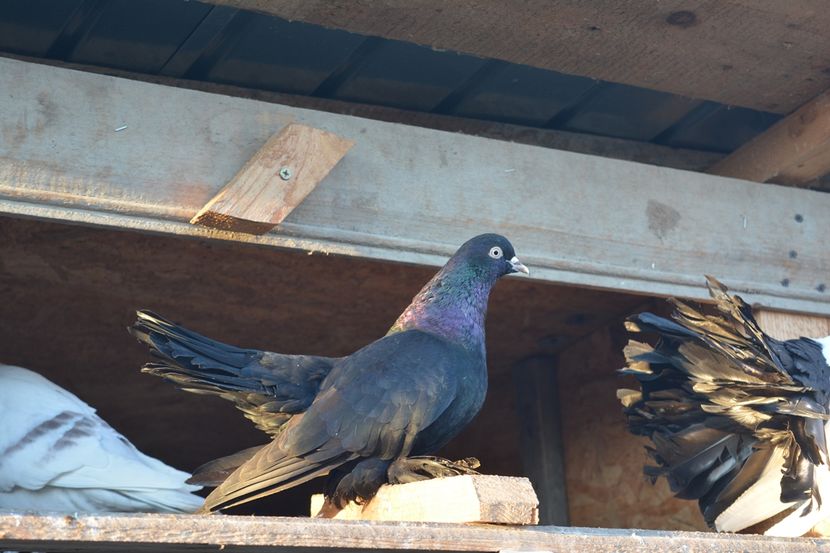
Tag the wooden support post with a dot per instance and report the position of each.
(468, 498)
(794, 151)
(540, 434)
(274, 181)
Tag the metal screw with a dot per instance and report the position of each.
(285, 173)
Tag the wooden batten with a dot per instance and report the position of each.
(467, 498)
(275, 180)
(795, 151)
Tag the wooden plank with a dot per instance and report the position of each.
(274, 181)
(789, 326)
(540, 434)
(404, 194)
(468, 498)
(764, 55)
(615, 148)
(231, 534)
(795, 151)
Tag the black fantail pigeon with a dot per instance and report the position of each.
(737, 419)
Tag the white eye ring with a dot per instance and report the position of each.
(496, 253)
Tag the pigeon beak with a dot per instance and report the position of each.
(518, 267)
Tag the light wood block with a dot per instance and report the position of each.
(479, 498)
(275, 180)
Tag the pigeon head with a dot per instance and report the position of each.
(453, 304)
(488, 256)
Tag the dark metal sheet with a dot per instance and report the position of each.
(285, 56)
(139, 36)
(31, 26)
(408, 76)
(522, 94)
(629, 112)
(723, 130)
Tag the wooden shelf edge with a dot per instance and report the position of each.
(251, 533)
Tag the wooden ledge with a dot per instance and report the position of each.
(202, 533)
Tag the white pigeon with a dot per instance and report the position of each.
(738, 420)
(57, 455)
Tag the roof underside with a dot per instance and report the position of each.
(223, 44)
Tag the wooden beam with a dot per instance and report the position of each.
(540, 433)
(232, 534)
(480, 498)
(795, 151)
(274, 181)
(615, 148)
(763, 55)
(403, 193)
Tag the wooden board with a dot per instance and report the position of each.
(603, 461)
(765, 54)
(274, 181)
(232, 534)
(795, 151)
(480, 498)
(404, 194)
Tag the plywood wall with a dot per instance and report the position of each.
(603, 462)
(67, 294)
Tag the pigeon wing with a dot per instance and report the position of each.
(373, 404)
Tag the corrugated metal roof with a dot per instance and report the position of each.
(197, 41)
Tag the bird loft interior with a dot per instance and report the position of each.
(103, 167)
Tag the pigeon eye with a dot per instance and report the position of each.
(495, 252)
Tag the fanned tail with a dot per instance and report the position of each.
(269, 388)
(729, 414)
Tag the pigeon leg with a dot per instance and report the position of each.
(413, 469)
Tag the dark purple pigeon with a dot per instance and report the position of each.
(404, 395)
